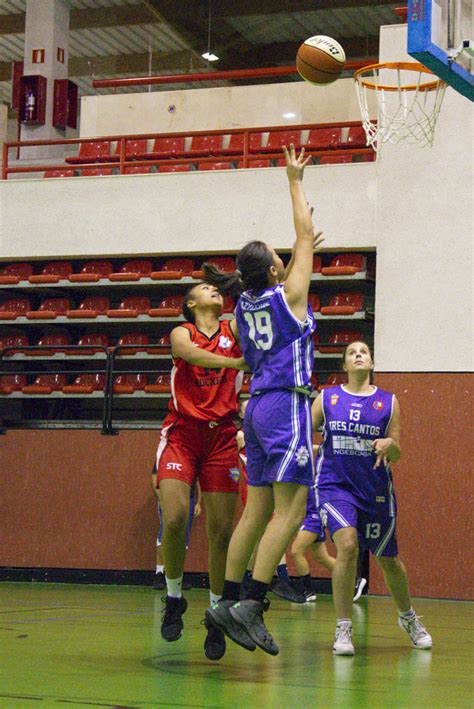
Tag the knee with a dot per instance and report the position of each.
(219, 537)
(174, 523)
(348, 548)
(389, 563)
(297, 548)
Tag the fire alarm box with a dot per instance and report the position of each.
(33, 99)
(65, 104)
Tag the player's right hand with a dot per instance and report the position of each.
(295, 165)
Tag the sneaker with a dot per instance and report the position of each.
(310, 596)
(214, 644)
(219, 616)
(343, 640)
(249, 615)
(172, 624)
(284, 590)
(360, 584)
(159, 582)
(419, 636)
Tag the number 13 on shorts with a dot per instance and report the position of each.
(372, 530)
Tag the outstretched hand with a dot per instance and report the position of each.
(295, 165)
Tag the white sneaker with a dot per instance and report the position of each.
(361, 583)
(310, 596)
(419, 636)
(343, 640)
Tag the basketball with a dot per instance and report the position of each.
(320, 60)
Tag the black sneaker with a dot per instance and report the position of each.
(284, 590)
(214, 644)
(218, 615)
(159, 582)
(172, 624)
(249, 615)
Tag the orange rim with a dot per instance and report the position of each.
(404, 66)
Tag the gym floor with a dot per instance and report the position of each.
(86, 646)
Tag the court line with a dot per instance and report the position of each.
(79, 700)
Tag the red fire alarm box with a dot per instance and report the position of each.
(33, 99)
(65, 104)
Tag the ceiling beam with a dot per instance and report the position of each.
(230, 8)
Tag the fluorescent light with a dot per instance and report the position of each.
(289, 115)
(209, 56)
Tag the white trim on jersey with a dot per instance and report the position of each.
(296, 348)
(174, 369)
(295, 426)
(391, 414)
(337, 515)
(320, 449)
(162, 444)
(309, 437)
(257, 298)
(308, 357)
(386, 539)
(361, 395)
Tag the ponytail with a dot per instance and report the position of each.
(253, 263)
(226, 283)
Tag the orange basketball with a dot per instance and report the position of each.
(320, 60)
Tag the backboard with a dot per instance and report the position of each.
(440, 36)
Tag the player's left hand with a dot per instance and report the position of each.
(381, 448)
(295, 165)
(197, 509)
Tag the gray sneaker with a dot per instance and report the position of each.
(219, 616)
(249, 615)
(420, 637)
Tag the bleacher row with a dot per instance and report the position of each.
(226, 151)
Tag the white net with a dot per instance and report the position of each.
(408, 100)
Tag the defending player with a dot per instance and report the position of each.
(361, 438)
(198, 441)
(275, 327)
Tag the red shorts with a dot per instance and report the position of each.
(206, 450)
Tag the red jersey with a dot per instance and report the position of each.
(207, 394)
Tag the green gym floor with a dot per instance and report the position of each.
(87, 646)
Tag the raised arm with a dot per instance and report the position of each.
(307, 240)
(183, 348)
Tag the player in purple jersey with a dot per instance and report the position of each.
(354, 489)
(275, 329)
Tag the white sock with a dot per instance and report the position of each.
(340, 621)
(407, 614)
(160, 569)
(214, 597)
(173, 587)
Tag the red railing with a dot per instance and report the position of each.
(243, 155)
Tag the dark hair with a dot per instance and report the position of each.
(253, 262)
(187, 312)
(344, 352)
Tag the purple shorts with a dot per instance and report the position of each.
(376, 529)
(312, 521)
(278, 438)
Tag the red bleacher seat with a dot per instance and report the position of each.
(90, 307)
(323, 138)
(49, 309)
(205, 145)
(256, 163)
(131, 307)
(86, 384)
(92, 338)
(314, 302)
(224, 263)
(165, 345)
(344, 265)
(161, 385)
(317, 263)
(255, 142)
(139, 170)
(334, 380)
(170, 307)
(236, 143)
(365, 157)
(59, 173)
(12, 382)
(339, 340)
(53, 272)
(137, 339)
(53, 340)
(335, 159)
(214, 166)
(91, 152)
(314, 381)
(14, 308)
(16, 272)
(128, 383)
(278, 138)
(173, 269)
(167, 147)
(92, 272)
(356, 138)
(14, 341)
(229, 305)
(96, 172)
(316, 340)
(134, 148)
(46, 384)
(133, 271)
(344, 304)
(175, 168)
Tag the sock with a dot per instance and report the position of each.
(214, 597)
(160, 569)
(174, 587)
(306, 579)
(231, 591)
(282, 573)
(407, 615)
(340, 621)
(257, 591)
(247, 575)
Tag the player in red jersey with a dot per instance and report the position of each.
(198, 440)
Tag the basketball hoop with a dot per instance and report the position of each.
(405, 111)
